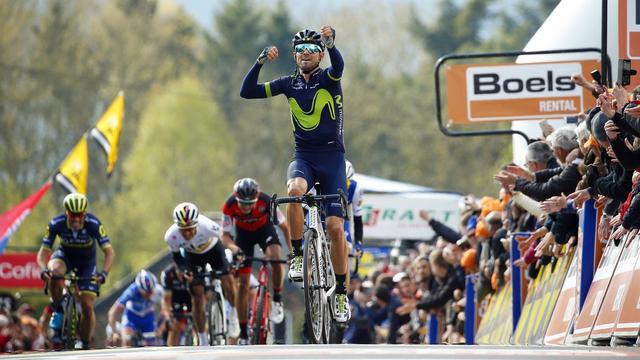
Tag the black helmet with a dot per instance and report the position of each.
(246, 189)
(307, 36)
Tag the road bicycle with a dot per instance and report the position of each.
(68, 333)
(259, 323)
(319, 280)
(216, 307)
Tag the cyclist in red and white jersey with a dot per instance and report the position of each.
(247, 210)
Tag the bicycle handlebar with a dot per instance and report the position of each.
(308, 199)
(265, 260)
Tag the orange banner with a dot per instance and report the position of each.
(507, 92)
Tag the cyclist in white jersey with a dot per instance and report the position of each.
(199, 236)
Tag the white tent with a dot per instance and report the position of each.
(390, 208)
(572, 24)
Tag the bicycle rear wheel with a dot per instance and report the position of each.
(217, 322)
(313, 291)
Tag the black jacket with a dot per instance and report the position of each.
(550, 182)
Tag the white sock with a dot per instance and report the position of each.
(202, 339)
(234, 312)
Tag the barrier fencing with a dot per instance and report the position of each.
(570, 301)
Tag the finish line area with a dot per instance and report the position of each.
(344, 352)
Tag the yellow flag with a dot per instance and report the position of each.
(107, 131)
(72, 173)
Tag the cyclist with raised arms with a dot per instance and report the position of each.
(78, 231)
(138, 302)
(247, 210)
(199, 236)
(315, 100)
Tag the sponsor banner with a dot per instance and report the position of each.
(507, 91)
(597, 291)
(628, 319)
(392, 216)
(618, 288)
(496, 324)
(20, 270)
(629, 36)
(566, 307)
(550, 296)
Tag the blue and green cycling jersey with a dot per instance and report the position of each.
(316, 105)
(78, 246)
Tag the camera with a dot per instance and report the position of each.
(625, 72)
(595, 74)
(571, 119)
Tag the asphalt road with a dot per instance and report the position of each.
(328, 352)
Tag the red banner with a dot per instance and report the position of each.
(11, 220)
(20, 270)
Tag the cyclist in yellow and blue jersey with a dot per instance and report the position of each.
(316, 103)
(80, 232)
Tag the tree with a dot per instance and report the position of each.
(183, 152)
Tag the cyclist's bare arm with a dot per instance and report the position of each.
(228, 242)
(43, 256)
(166, 303)
(109, 256)
(115, 313)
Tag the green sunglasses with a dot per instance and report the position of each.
(311, 48)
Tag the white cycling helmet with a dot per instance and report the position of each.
(146, 281)
(185, 215)
(349, 169)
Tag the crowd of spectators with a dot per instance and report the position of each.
(19, 329)
(597, 159)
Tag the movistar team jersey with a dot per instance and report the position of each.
(77, 245)
(316, 105)
(208, 233)
(135, 303)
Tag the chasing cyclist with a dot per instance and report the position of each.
(79, 231)
(315, 100)
(354, 211)
(199, 237)
(138, 303)
(247, 209)
(176, 303)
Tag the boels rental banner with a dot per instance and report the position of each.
(505, 92)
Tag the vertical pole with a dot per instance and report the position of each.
(587, 265)
(470, 311)
(516, 282)
(433, 328)
(603, 55)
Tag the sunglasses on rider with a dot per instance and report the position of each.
(246, 202)
(311, 48)
(75, 215)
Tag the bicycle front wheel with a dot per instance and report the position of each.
(217, 331)
(257, 317)
(70, 323)
(313, 290)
